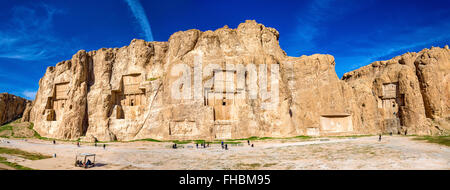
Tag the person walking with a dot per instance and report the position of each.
(379, 138)
(104, 146)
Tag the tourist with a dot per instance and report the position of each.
(104, 146)
(226, 146)
(252, 145)
(196, 144)
(54, 142)
(78, 144)
(248, 142)
(379, 138)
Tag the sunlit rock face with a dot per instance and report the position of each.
(409, 94)
(222, 84)
(11, 107)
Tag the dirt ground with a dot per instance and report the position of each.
(393, 152)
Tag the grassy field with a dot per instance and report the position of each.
(6, 127)
(352, 136)
(254, 138)
(13, 165)
(22, 154)
(444, 140)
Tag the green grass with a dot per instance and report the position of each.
(181, 142)
(251, 166)
(13, 165)
(352, 136)
(254, 138)
(152, 79)
(269, 164)
(227, 141)
(6, 127)
(187, 141)
(151, 140)
(443, 140)
(23, 154)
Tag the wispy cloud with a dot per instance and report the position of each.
(383, 47)
(311, 19)
(29, 94)
(28, 34)
(356, 42)
(141, 17)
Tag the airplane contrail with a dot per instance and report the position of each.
(141, 17)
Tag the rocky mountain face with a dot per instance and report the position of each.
(235, 83)
(11, 107)
(409, 94)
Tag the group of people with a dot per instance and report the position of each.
(207, 145)
(224, 146)
(80, 163)
(248, 142)
(203, 145)
(95, 144)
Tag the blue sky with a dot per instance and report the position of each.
(35, 34)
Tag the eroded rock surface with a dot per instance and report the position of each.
(128, 93)
(409, 94)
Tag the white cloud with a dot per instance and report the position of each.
(141, 17)
(29, 94)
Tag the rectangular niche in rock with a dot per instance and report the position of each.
(392, 100)
(336, 123)
(183, 129)
(223, 131)
(223, 95)
(131, 93)
(60, 95)
(57, 102)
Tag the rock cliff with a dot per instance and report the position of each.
(234, 83)
(11, 107)
(409, 94)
